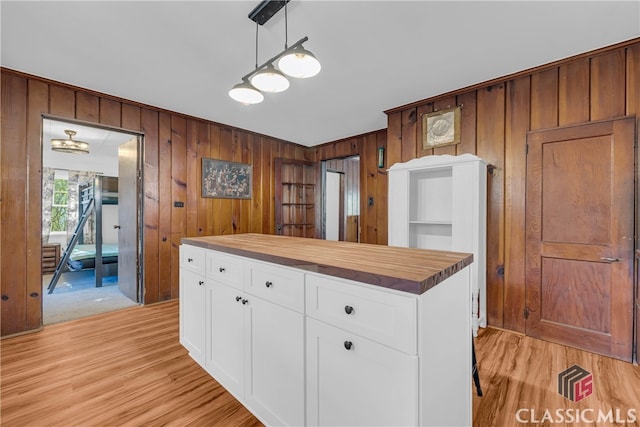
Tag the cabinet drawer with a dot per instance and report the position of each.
(224, 268)
(280, 285)
(192, 258)
(381, 316)
(353, 381)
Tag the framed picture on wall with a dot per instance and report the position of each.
(227, 180)
(441, 128)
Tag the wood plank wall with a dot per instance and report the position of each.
(495, 120)
(174, 145)
(373, 180)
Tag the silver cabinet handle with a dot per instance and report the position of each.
(610, 260)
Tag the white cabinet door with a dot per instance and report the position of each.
(274, 381)
(192, 314)
(352, 381)
(225, 350)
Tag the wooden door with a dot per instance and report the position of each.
(297, 198)
(579, 236)
(128, 219)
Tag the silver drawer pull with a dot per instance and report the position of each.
(610, 260)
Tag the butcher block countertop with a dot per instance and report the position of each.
(404, 269)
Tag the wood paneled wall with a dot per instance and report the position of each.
(495, 120)
(174, 145)
(373, 180)
(496, 117)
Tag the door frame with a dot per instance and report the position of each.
(636, 343)
(140, 194)
(325, 203)
(344, 226)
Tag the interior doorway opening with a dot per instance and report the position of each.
(341, 199)
(91, 221)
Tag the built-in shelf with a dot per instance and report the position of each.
(439, 203)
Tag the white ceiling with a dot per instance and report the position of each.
(184, 56)
(103, 147)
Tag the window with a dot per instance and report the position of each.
(59, 206)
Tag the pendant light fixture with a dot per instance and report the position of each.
(299, 63)
(270, 80)
(70, 145)
(245, 93)
(294, 61)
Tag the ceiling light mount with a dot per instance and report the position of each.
(265, 10)
(294, 61)
(70, 145)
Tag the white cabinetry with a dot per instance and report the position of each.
(301, 348)
(225, 347)
(362, 364)
(192, 301)
(440, 202)
(250, 320)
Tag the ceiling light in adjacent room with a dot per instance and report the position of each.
(70, 145)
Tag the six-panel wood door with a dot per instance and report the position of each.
(580, 236)
(297, 199)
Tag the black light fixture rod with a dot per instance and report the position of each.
(293, 46)
(265, 10)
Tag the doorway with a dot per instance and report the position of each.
(580, 236)
(91, 232)
(341, 199)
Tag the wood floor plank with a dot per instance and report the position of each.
(127, 368)
(124, 368)
(520, 373)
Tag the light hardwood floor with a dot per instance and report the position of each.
(519, 377)
(127, 368)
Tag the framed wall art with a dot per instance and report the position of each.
(441, 128)
(227, 180)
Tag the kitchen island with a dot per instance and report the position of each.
(313, 332)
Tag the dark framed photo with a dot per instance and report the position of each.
(441, 128)
(227, 180)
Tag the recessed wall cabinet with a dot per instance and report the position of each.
(440, 202)
(299, 342)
